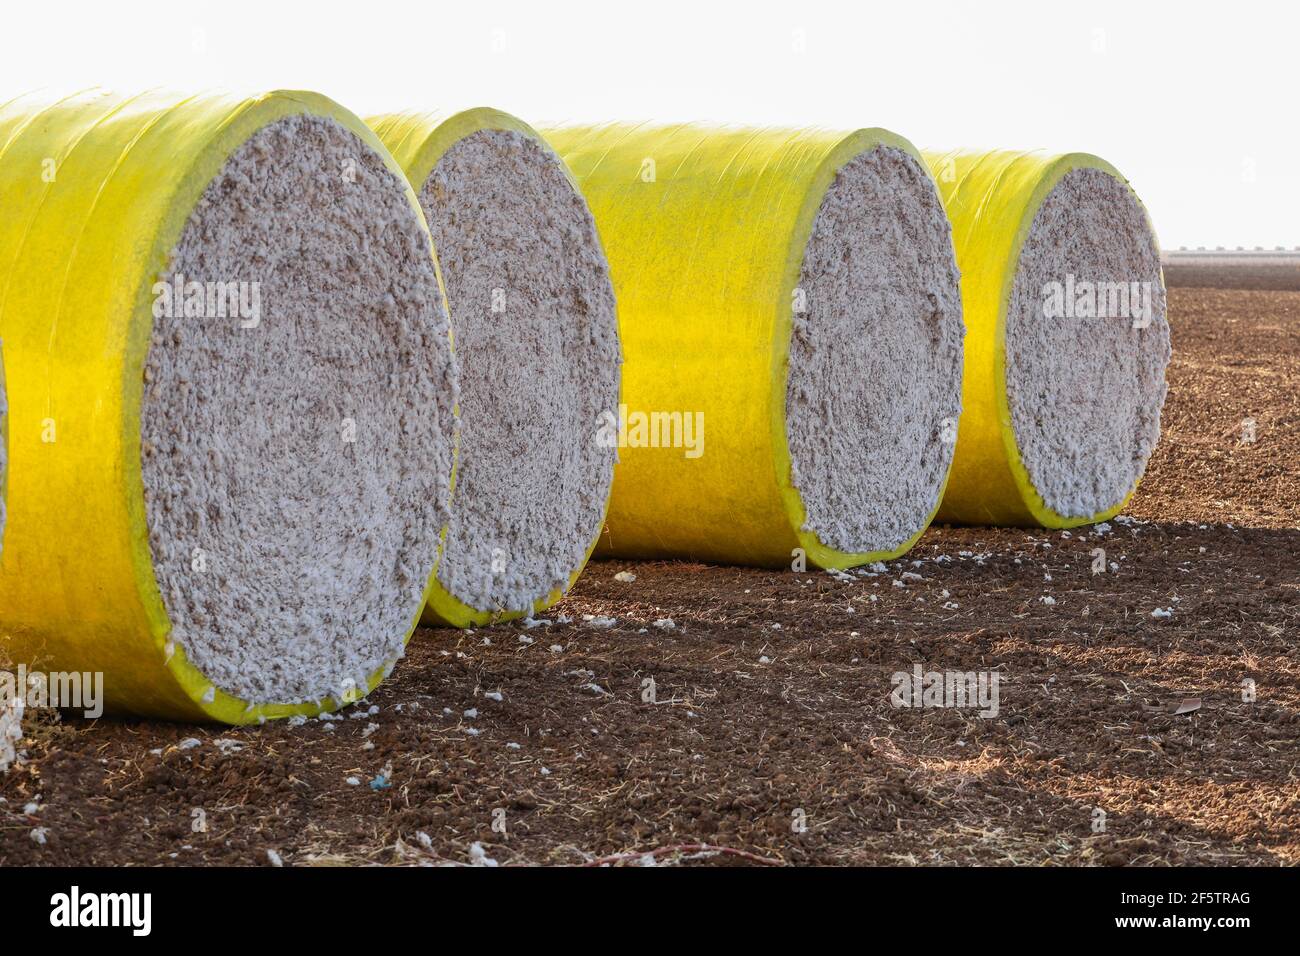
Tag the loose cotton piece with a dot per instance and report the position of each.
(223, 322)
(11, 730)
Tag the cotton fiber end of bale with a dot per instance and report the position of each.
(874, 389)
(1086, 379)
(536, 338)
(243, 388)
(306, 458)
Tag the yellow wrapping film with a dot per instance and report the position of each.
(991, 199)
(4, 449)
(418, 141)
(705, 229)
(96, 189)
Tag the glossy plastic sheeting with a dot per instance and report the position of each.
(991, 199)
(4, 450)
(96, 189)
(705, 230)
(418, 141)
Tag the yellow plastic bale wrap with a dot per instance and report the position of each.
(96, 189)
(4, 451)
(706, 231)
(991, 199)
(418, 142)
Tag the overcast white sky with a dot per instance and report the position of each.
(1195, 102)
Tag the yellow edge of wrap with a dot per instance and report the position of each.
(991, 200)
(136, 226)
(418, 141)
(758, 190)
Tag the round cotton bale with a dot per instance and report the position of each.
(232, 392)
(1067, 339)
(792, 335)
(536, 333)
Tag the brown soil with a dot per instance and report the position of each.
(758, 726)
(1277, 271)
